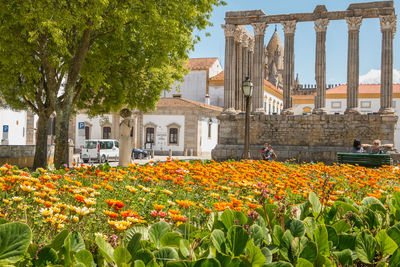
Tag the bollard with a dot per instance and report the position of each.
(152, 153)
(170, 153)
(191, 152)
(185, 153)
(70, 153)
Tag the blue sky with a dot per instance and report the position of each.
(336, 45)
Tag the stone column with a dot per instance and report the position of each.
(320, 26)
(238, 37)
(258, 67)
(30, 127)
(353, 62)
(251, 57)
(245, 64)
(388, 28)
(229, 94)
(289, 28)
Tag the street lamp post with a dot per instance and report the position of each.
(247, 88)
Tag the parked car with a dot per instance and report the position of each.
(101, 150)
(139, 153)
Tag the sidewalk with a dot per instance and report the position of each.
(155, 159)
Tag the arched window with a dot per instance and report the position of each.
(106, 132)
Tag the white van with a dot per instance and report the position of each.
(101, 150)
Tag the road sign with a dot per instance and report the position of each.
(81, 125)
(5, 128)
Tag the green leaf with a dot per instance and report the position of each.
(341, 226)
(394, 234)
(240, 217)
(346, 207)
(286, 246)
(166, 254)
(133, 243)
(157, 230)
(187, 230)
(170, 240)
(315, 203)
(332, 235)
(144, 255)
(365, 247)
(76, 241)
(139, 263)
(310, 225)
(105, 249)
(254, 254)
(347, 242)
(258, 234)
(297, 228)
(227, 218)
(84, 256)
(46, 255)
(237, 239)
(121, 256)
(210, 221)
(386, 245)
(277, 235)
(374, 204)
(218, 240)
(184, 247)
(58, 241)
(304, 263)
(14, 241)
(309, 251)
(207, 263)
(344, 257)
(278, 264)
(79, 264)
(267, 254)
(321, 239)
(130, 233)
(395, 259)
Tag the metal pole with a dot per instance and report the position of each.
(247, 130)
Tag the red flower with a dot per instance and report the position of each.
(154, 213)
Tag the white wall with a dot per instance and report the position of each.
(215, 69)
(269, 98)
(161, 132)
(193, 87)
(207, 144)
(216, 95)
(94, 123)
(16, 121)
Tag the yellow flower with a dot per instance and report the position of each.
(17, 199)
(22, 207)
(38, 200)
(89, 201)
(75, 218)
(46, 212)
(131, 189)
(101, 235)
(27, 188)
(165, 191)
(6, 201)
(42, 170)
(82, 211)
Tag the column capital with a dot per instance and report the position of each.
(229, 29)
(289, 26)
(354, 23)
(321, 25)
(259, 28)
(238, 35)
(388, 23)
(251, 44)
(245, 40)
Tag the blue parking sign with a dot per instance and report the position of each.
(5, 128)
(81, 125)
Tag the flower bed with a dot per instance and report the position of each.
(231, 197)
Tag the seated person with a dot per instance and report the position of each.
(264, 151)
(271, 156)
(377, 148)
(357, 148)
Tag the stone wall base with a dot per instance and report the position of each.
(22, 156)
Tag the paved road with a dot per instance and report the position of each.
(156, 158)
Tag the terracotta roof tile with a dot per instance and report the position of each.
(273, 87)
(201, 63)
(362, 89)
(182, 102)
(218, 77)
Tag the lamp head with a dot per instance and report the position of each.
(247, 87)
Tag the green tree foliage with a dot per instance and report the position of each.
(97, 55)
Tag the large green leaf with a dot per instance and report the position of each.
(309, 251)
(58, 241)
(374, 204)
(184, 247)
(277, 235)
(134, 230)
(166, 254)
(315, 203)
(218, 240)
(394, 233)
(395, 259)
(332, 235)
(46, 255)
(267, 254)
(138, 263)
(187, 230)
(347, 242)
(310, 225)
(76, 241)
(14, 241)
(297, 228)
(254, 254)
(84, 256)
(321, 239)
(144, 255)
(207, 263)
(365, 247)
(344, 257)
(237, 239)
(258, 234)
(346, 207)
(341, 226)
(278, 264)
(133, 243)
(286, 246)
(170, 240)
(105, 249)
(121, 256)
(304, 263)
(157, 230)
(227, 218)
(386, 245)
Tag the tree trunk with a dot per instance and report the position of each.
(40, 159)
(62, 125)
